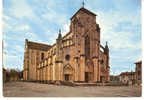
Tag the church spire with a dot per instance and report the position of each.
(106, 48)
(83, 4)
(59, 36)
(106, 42)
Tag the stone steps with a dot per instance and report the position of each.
(88, 84)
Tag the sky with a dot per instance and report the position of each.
(40, 21)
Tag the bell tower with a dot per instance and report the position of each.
(86, 38)
(58, 65)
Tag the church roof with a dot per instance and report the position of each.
(38, 46)
(84, 10)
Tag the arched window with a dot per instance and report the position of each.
(87, 47)
(42, 56)
(102, 61)
(67, 57)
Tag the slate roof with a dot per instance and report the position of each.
(38, 46)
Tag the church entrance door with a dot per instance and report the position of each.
(67, 77)
(86, 76)
(102, 78)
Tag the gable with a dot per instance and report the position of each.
(85, 11)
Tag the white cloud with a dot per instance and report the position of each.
(115, 72)
(119, 40)
(8, 57)
(22, 28)
(66, 28)
(19, 48)
(6, 17)
(10, 24)
(21, 9)
(108, 21)
(53, 16)
(53, 36)
(35, 38)
(31, 36)
(6, 26)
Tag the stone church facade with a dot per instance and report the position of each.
(76, 57)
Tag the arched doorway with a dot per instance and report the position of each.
(68, 72)
(89, 70)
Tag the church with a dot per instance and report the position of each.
(77, 56)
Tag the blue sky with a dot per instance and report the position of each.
(40, 20)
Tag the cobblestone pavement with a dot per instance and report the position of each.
(28, 89)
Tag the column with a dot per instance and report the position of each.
(48, 73)
(95, 62)
(76, 69)
(60, 71)
(82, 68)
(99, 70)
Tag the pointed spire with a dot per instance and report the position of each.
(83, 4)
(59, 30)
(106, 50)
(106, 46)
(26, 40)
(59, 36)
(106, 42)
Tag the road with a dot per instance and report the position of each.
(29, 89)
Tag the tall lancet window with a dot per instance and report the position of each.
(87, 47)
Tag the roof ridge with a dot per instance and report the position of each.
(38, 46)
(39, 43)
(84, 9)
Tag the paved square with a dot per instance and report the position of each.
(28, 89)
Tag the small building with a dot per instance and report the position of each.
(114, 78)
(138, 72)
(128, 78)
(12, 75)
